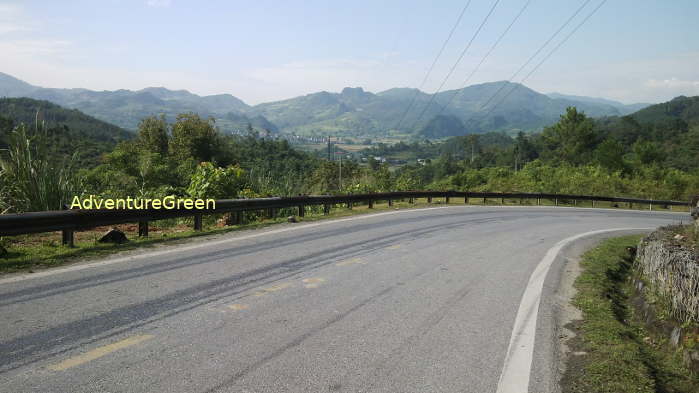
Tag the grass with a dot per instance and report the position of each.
(36, 251)
(615, 353)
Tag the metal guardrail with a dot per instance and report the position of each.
(69, 221)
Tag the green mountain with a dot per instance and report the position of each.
(497, 106)
(126, 108)
(623, 109)
(357, 112)
(684, 109)
(69, 129)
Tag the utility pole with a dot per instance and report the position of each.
(340, 172)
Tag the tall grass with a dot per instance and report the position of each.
(32, 177)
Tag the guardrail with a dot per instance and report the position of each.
(69, 221)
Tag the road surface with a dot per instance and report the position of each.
(449, 299)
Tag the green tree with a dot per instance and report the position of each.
(153, 135)
(610, 154)
(572, 139)
(194, 137)
(210, 181)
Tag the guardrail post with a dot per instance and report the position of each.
(630, 205)
(484, 200)
(143, 229)
(446, 200)
(197, 222)
(67, 238)
(371, 204)
(575, 202)
(466, 200)
(650, 205)
(411, 200)
(326, 209)
(390, 202)
(538, 201)
(502, 201)
(556, 202)
(302, 210)
(429, 199)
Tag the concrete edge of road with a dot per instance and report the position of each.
(556, 310)
(217, 239)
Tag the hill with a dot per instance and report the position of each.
(357, 112)
(70, 130)
(125, 108)
(623, 109)
(351, 112)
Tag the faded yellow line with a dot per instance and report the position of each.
(99, 352)
(273, 288)
(313, 282)
(238, 307)
(393, 247)
(358, 261)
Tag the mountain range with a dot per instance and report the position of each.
(400, 112)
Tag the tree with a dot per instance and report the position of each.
(610, 154)
(152, 134)
(194, 138)
(572, 139)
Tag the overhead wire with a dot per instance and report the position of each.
(434, 62)
(456, 63)
(547, 56)
(488, 53)
(567, 22)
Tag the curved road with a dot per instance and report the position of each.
(404, 301)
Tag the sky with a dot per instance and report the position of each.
(264, 50)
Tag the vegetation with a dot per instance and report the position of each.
(67, 131)
(352, 112)
(613, 352)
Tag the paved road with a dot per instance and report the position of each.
(406, 301)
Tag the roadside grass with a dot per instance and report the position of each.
(36, 251)
(613, 351)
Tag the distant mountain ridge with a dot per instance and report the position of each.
(351, 112)
(624, 109)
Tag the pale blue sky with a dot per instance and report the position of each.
(630, 50)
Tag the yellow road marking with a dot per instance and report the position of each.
(99, 352)
(273, 288)
(352, 261)
(313, 282)
(393, 247)
(238, 307)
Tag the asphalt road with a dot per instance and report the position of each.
(404, 301)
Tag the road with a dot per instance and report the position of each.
(404, 301)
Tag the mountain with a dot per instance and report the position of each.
(357, 112)
(69, 129)
(624, 109)
(680, 109)
(399, 112)
(126, 108)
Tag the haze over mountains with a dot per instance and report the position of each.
(352, 112)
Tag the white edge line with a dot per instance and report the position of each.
(516, 370)
(175, 248)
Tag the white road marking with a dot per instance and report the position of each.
(518, 361)
(176, 249)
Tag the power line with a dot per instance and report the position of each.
(457, 62)
(536, 53)
(434, 62)
(492, 48)
(548, 55)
